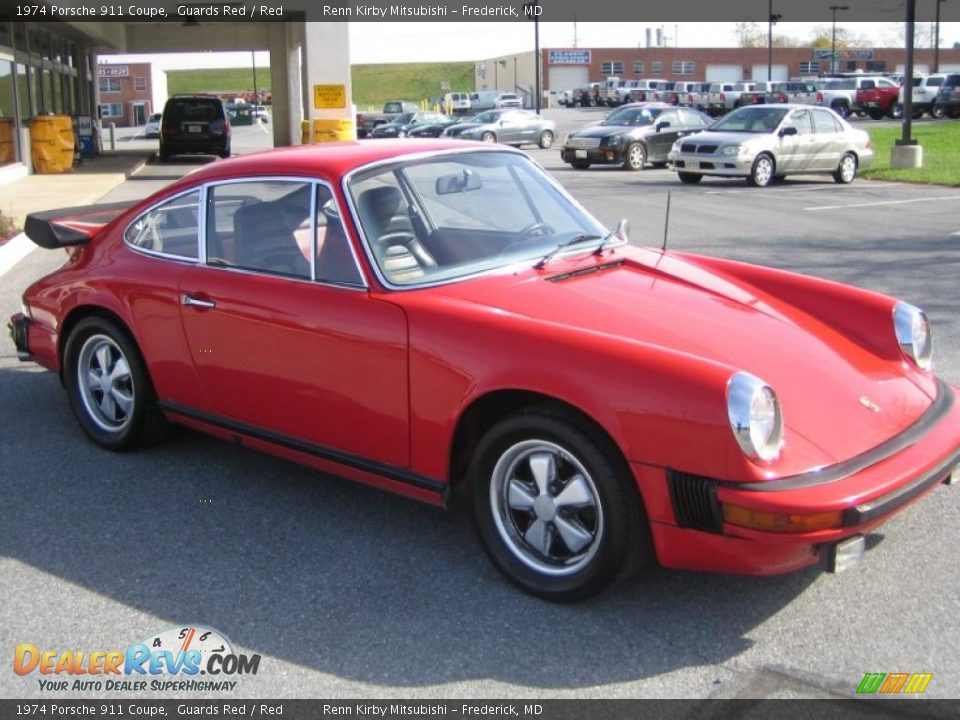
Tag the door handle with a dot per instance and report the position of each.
(196, 302)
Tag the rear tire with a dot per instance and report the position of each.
(554, 505)
(841, 109)
(580, 164)
(546, 140)
(488, 137)
(938, 111)
(689, 178)
(846, 172)
(108, 386)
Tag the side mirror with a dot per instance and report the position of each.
(623, 230)
(788, 131)
(662, 125)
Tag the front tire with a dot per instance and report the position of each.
(846, 172)
(108, 386)
(546, 140)
(488, 137)
(938, 111)
(636, 157)
(554, 505)
(763, 171)
(580, 164)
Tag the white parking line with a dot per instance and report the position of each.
(884, 202)
(14, 251)
(812, 188)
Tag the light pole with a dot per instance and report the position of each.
(833, 46)
(532, 10)
(936, 41)
(773, 21)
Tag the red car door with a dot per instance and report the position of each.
(310, 360)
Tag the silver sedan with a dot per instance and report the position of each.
(763, 143)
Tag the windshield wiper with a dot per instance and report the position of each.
(542, 262)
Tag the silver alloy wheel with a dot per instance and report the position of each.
(488, 137)
(106, 384)
(848, 168)
(636, 157)
(546, 508)
(763, 171)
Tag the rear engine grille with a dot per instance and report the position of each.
(695, 501)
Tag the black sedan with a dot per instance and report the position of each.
(434, 129)
(632, 136)
(402, 124)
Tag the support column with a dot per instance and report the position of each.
(284, 49)
(326, 61)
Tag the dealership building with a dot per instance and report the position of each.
(568, 68)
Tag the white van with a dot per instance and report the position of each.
(456, 103)
(483, 100)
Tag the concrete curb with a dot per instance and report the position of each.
(20, 246)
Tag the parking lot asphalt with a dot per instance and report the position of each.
(348, 592)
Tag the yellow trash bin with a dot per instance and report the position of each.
(51, 141)
(330, 130)
(6, 141)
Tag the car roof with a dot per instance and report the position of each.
(332, 159)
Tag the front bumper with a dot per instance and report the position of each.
(596, 156)
(687, 518)
(713, 164)
(19, 327)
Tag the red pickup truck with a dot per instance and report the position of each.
(878, 97)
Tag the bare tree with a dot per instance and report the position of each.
(754, 35)
(895, 35)
(822, 38)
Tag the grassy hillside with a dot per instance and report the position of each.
(372, 84)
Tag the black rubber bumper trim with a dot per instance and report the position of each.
(357, 462)
(19, 327)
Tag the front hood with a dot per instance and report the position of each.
(604, 131)
(826, 383)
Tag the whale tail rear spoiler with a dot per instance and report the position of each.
(53, 229)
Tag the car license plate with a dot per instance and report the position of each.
(194, 128)
(580, 154)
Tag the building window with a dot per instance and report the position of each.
(876, 66)
(111, 110)
(614, 67)
(810, 67)
(140, 84)
(109, 85)
(683, 67)
(638, 67)
(657, 67)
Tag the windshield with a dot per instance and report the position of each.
(450, 216)
(756, 119)
(487, 117)
(633, 116)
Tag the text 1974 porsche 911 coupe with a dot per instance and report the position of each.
(435, 317)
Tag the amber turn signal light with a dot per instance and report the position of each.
(782, 522)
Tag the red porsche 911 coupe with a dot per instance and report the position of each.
(441, 317)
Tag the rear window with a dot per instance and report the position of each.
(193, 109)
(952, 81)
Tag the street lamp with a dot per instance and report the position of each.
(532, 10)
(833, 51)
(773, 21)
(936, 42)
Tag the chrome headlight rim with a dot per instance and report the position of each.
(912, 329)
(732, 150)
(756, 417)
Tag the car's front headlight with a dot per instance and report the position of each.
(913, 334)
(755, 417)
(614, 140)
(676, 146)
(732, 149)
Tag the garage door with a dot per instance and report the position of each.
(560, 78)
(780, 72)
(724, 73)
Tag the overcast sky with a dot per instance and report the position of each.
(375, 42)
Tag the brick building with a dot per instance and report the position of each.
(567, 68)
(125, 94)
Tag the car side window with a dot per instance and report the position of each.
(824, 122)
(800, 119)
(263, 226)
(335, 261)
(170, 228)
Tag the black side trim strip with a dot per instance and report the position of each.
(924, 424)
(901, 496)
(357, 462)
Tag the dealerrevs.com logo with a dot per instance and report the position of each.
(171, 661)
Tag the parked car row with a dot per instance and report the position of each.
(874, 96)
(761, 143)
